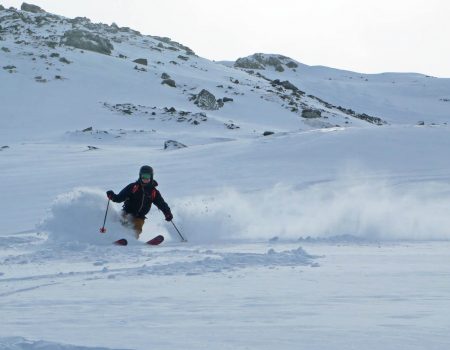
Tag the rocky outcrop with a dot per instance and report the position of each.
(350, 112)
(85, 40)
(370, 119)
(31, 8)
(169, 82)
(2, 8)
(172, 144)
(248, 63)
(292, 65)
(142, 61)
(311, 113)
(206, 100)
(286, 84)
(175, 45)
(264, 61)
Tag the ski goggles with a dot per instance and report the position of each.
(146, 176)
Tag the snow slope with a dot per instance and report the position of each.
(404, 98)
(330, 232)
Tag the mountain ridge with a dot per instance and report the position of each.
(41, 50)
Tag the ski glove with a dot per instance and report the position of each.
(169, 216)
(110, 194)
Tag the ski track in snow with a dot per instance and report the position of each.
(144, 261)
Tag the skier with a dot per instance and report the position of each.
(138, 197)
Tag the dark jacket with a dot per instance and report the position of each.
(138, 199)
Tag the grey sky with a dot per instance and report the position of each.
(359, 35)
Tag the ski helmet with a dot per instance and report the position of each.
(147, 170)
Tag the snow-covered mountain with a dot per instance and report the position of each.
(315, 201)
(398, 98)
(97, 71)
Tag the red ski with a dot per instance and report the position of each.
(156, 241)
(121, 241)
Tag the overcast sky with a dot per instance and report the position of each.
(358, 35)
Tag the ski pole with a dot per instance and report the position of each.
(182, 238)
(103, 229)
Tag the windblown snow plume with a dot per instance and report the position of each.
(372, 210)
(77, 216)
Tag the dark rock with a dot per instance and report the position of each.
(64, 60)
(85, 40)
(267, 133)
(370, 119)
(31, 8)
(172, 144)
(261, 61)
(184, 58)
(232, 126)
(169, 82)
(206, 100)
(311, 113)
(248, 64)
(165, 76)
(2, 8)
(227, 99)
(142, 61)
(54, 54)
(51, 44)
(288, 85)
(113, 28)
(292, 64)
(174, 45)
(129, 30)
(5, 49)
(39, 79)
(87, 129)
(140, 69)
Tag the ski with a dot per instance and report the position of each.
(156, 240)
(121, 241)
